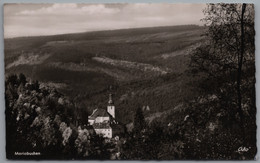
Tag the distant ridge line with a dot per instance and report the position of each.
(109, 31)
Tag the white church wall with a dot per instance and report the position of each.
(111, 110)
(101, 119)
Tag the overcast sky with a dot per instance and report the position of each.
(50, 19)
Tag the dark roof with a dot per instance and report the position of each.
(99, 113)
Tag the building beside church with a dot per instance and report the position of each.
(104, 121)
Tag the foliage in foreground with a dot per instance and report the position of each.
(39, 119)
(221, 123)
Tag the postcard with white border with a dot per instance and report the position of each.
(130, 81)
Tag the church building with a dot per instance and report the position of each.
(104, 121)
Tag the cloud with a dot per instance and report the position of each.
(70, 9)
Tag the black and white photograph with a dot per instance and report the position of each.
(130, 81)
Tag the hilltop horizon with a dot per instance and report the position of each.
(106, 30)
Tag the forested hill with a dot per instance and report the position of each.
(144, 66)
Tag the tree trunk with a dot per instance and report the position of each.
(240, 63)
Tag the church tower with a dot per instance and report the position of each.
(110, 106)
